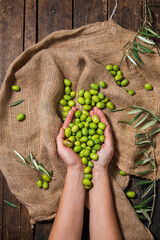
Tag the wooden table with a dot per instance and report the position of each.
(25, 22)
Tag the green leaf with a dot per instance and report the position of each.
(35, 164)
(156, 130)
(51, 173)
(148, 41)
(117, 109)
(148, 34)
(153, 164)
(18, 155)
(10, 204)
(144, 47)
(135, 111)
(150, 14)
(144, 203)
(151, 141)
(121, 121)
(142, 142)
(146, 215)
(126, 44)
(144, 161)
(150, 30)
(143, 182)
(142, 152)
(141, 120)
(145, 172)
(141, 217)
(122, 58)
(44, 170)
(147, 209)
(135, 118)
(136, 56)
(149, 124)
(146, 110)
(131, 59)
(16, 103)
(148, 189)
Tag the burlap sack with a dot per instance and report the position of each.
(81, 56)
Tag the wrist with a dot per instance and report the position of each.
(99, 173)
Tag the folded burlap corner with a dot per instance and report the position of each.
(81, 56)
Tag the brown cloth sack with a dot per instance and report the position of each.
(81, 56)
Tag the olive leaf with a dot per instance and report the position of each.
(135, 111)
(122, 58)
(16, 103)
(131, 59)
(149, 124)
(144, 203)
(141, 217)
(148, 189)
(147, 209)
(18, 155)
(142, 162)
(10, 204)
(146, 110)
(146, 215)
(145, 172)
(121, 121)
(136, 56)
(156, 130)
(148, 41)
(135, 118)
(141, 152)
(118, 109)
(146, 49)
(143, 182)
(44, 171)
(141, 120)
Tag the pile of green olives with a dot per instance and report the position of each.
(44, 183)
(67, 101)
(85, 136)
(118, 76)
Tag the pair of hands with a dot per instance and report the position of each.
(71, 158)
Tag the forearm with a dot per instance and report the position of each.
(69, 219)
(102, 209)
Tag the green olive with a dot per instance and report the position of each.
(80, 125)
(88, 187)
(46, 178)
(101, 125)
(87, 101)
(77, 120)
(77, 143)
(90, 164)
(81, 93)
(84, 139)
(118, 77)
(113, 73)
(131, 194)
(105, 100)
(92, 103)
(75, 128)
(88, 176)
(100, 131)
(110, 105)
(119, 73)
(67, 82)
(64, 119)
(102, 84)
(94, 151)
(100, 105)
(67, 132)
(124, 82)
(68, 143)
(122, 173)
(148, 86)
(118, 83)
(81, 100)
(86, 182)
(90, 143)
(85, 112)
(15, 88)
(83, 145)
(67, 97)
(93, 125)
(109, 67)
(67, 90)
(87, 107)
(77, 149)
(87, 94)
(21, 116)
(94, 137)
(63, 102)
(72, 139)
(94, 86)
(81, 153)
(87, 170)
(73, 94)
(131, 92)
(84, 160)
(86, 152)
(45, 185)
(65, 114)
(97, 147)
(101, 96)
(94, 156)
(115, 68)
(97, 141)
(79, 134)
(92, 131)
(95, 98)
(83, 117)
(89, 119)
(101, 138)
(71, 103)
(95, 118)
(39, 184)
(93, 92)
(66, 108)
(71, 125)
(84, 131)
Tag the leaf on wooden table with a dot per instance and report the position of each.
(10, 204)
(16, 103)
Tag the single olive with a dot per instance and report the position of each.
(105, 100)
(63, 102)
(89, 119)
(85, 112)
(65, 114)
(87, 107)
(113, 73)
(97, 141)
(86, 182)
(73, 94)
(148, 86)
(90, 164)
(94, 137)
(64, 119)
(81, 153)
(86, 152)
(83, 117)
(68, 143)
(131, 92)
(67, 90)
(124, 82)
(88, 187)
(93, 125)
(71, 103)
(101, 125)
(81, 92)
(86, 124)
(92, 131)
(75, 128)
(88, 147)
(119, 73)
(67, 82)
(97, 147)
(101, 138)
(84, 139)
(67, 132)
(118, 83)
(46, 178)
(87, 101)
(100, 131)
(84, 131)
(81, 100)
(118, 77)
(101, 96)
(95, 98)
(94, 151)
(84, 160)
(92, 103)
(83, 145)
(93, 92)
(131, 194)
(77, 149)
(39, 184)
(80, 125)
(87, 94)
(67, 98)
(95, 118)
(21, 116)
(109, 67)
(110, 105)
(66, 108)
(100, 105)
(77, 120)
(88, 176)
(102, 84)
(15, 88)
(71, 125)
(94, 86)
(90, 143)
(94, 156)
(72, 139)
(115, 68)
(122, 173)
(87, 170)
(45, 185)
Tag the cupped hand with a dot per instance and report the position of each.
(107, 149)
(70, 158)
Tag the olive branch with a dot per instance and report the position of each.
(143, 139)
(133, 49)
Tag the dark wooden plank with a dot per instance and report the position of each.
(155, 14)
(53, 15)
(128, 13)
(89, 11)
(11, 45)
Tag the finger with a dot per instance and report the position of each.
(108, 137)
(60, 138)
(91, 113)
(69, 117)
(103, 118)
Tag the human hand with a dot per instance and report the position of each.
(70, 158)
(107, 149)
